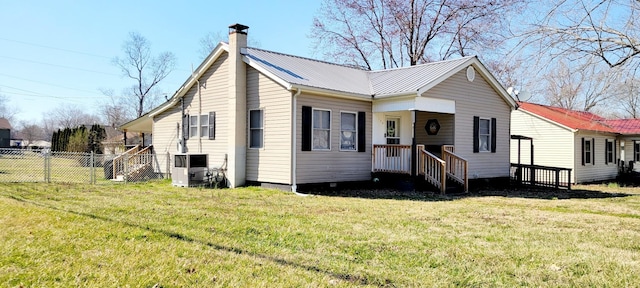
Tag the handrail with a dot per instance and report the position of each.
(448, 148)
(457, 168)
(118, 161)
(392, 158)
(434, 169)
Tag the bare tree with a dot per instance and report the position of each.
(6, 111)
(580, 85)
(31, 132)
(629, 97)
(69, 117)
(146, 70)
(115, 111)
(608, 30)
(395, 33)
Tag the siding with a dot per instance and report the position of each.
(272, 163)
(334, 165)
(446, 134)
(212, 98)
(165, 137)
(553, 145)
(589, 172)
(477, 98)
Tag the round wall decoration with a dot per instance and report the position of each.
(471, 73)
(432, 127)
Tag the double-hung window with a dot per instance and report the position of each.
(321, 129)
(193, 126)
(256, 129)
(588, 151)
(484, 135)
(204, 125)
(609, 151)
(348, 137)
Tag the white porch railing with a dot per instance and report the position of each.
(433, 168)
(132, 160)
(392, 158)
(457, 167)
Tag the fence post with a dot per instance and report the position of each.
(126, 168)
(46, 159)
(557, 178)
(92, 170)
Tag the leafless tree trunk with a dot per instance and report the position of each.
(146, 70)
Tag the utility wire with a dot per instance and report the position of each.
(57, 65)
(55, 48)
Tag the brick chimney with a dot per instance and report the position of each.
(237, 144)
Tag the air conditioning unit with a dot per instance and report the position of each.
(189, 170)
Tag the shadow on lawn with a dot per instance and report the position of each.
(418, 194)
(350, 278)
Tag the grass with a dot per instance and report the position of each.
(152, 234)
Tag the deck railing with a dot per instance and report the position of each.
(132, 160)
(542, 176)
(392, 158)
(433, 168)
(457, 167)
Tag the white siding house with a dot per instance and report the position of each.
(268, 117)
(567, 139)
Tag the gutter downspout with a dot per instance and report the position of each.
(294, 145)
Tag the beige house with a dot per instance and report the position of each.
(267, 117)
(563, 138)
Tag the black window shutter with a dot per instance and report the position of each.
(212, 125)
(494, 135)
(606, 151)
(185, 126)
(593, 151)
(615, 151)
(476, 127)
(362, 137)
(306, 128)
(583, 152)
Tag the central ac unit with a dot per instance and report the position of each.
(189, 170)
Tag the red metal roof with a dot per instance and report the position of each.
(625, 126)
(579, 120)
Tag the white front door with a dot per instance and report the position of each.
(393, 131)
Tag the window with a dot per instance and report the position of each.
(348, 131)
(193, 126)
(608, 151)
(321, 129)
(484, 135)
(204, 126)
(636, 151)
(588, 151)
(256, 129)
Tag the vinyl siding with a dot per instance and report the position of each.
(553, 144)
(590, 172)
(165, 140)
(212, 98)
(272, 163)
(477, 98)
(446, 134)
(333, 165)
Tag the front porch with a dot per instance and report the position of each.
(436, 169)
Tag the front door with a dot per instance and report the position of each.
(393, 131)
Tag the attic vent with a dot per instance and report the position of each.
(238, 28)
(471, 73)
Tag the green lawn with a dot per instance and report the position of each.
(152, 234)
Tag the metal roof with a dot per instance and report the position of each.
(299, 71)
(411, 79)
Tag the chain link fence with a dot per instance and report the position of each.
(18, 165)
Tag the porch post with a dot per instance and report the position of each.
(413, 144)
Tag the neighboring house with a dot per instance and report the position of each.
(628, 140)
(268, 117)
(5, 133)
(563, 138)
